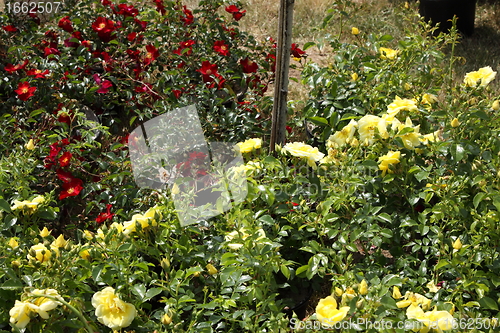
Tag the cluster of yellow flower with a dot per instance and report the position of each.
(23, 311)
(327, 310)
(249, 145)
(28, 206)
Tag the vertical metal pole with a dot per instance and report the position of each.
(281, 76)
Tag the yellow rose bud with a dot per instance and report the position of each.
(496, 105)
(165, 264)
(360, 304)
(363, 287)
(455, 123)
(45, 232)
(396, 294)
(13, 243)
(338, 292)
(85, 254)
(15, 263)
(88, 235)
(457, 244)
(30, 145)
(175, 189)
(60, 242)
(355, 31)
(354, 77)
(166, 319)
(211, 269)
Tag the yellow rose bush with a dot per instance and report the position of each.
(379, 212)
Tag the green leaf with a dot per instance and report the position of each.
(488, 303)
(152, 293)
(125, 247)
(442, 263)
(4, 205)
(388, 302)
(319, 121)
(478, 198)
(308, 45)
(301, 270)
(457, 151)
(12, 284)
(286, 272)
(139, 290)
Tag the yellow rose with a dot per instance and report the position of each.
(85, 254)
(400, 104)
(496, 105)
(249, 145)
(355, 31)
(338, 292)
(354, 77)
(391, 158)
(366, 128)
(300, 149)
(438, 320)
(483, 76)
(111, 311)
(211, 269)
(45, 232)
(13, 243)
(363, 287)
(20, 314)
(410, 139)
(30, 145)
(327, 312)
(455, 123)
(345, 135)
(166, 319)
(457, 245)
(386, 53)
(59, 242)
(40, 253)
(396, 294)
(41, 305)
(432, 287)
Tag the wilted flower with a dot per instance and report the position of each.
(327, 312)
(111, 311)
(300, 149)
(483, 76)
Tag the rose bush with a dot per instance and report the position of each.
(388, 214)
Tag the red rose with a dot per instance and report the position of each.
(127, 10)
(208, 71)
(24, 91)
(151, 55)
(14, 68)
(221, 48)
(37, 73)
(65, 159)
(296, 52)
(188, 18)
(71, 189)
(236, 12)
(105, 216)
(248, 65)
(9, 28)
(65, 24)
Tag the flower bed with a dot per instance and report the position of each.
(385, 220)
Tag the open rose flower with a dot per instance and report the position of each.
(221, 48)
(236, 12)
(111, 311)
(300, 149)
(25, 91)
(483, 76)
(65, 24)
(328, 313)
